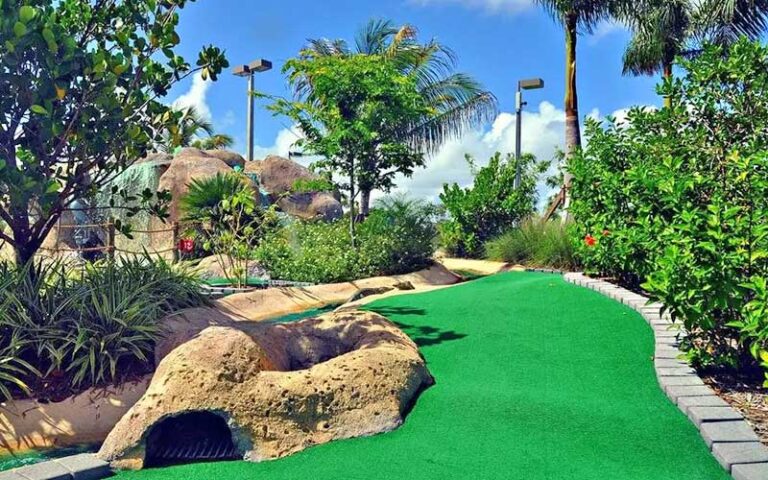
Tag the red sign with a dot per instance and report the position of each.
(186, 245)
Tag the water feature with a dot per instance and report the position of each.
(133, 181)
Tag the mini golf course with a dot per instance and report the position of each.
(537, 379)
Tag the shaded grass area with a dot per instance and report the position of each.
(536, 379)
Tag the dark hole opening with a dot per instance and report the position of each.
(190, 437)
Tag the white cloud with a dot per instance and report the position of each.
(491, 6)
(195, 97)
(605, 29)
(543, 135)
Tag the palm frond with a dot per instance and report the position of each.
(588, 13)
(453, 122)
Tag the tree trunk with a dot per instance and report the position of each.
(352, 216)
(572, 127)
(667, 75)
(365, 202)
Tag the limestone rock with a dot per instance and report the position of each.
(278, 175)
(190, 164)
(310, 205)
(210, 268)
(280, 388)
(230, 158)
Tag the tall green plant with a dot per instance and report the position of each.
(491, 205)
(458, 102)
(229, 221)
(677, 200)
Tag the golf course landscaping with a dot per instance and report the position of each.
(535, 379)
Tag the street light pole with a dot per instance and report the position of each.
(529, 84)
(257, 66)
(250, 121)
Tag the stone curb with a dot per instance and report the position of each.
(730, 438)
(77, 467)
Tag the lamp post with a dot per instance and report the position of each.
(257, 66)
(528, 84)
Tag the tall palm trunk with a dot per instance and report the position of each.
(667, 74)
(572, 127)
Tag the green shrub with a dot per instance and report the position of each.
(534, 243)
(491, 206)
(229, 221)
(677, 200)
(397, 237)
(90, 326)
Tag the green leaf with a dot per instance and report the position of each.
(19, 29)
(27, 13)
(39, 109)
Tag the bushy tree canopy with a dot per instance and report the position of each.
(81, 82)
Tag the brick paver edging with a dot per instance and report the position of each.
(77, 467)
(730, 438)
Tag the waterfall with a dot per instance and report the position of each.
(134, 180)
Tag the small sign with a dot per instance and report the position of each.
(187, 245)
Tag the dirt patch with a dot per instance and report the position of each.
(746, 397)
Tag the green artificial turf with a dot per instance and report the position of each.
(536, 380)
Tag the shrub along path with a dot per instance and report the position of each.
(536, 380)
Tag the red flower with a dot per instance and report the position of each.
(590, 240)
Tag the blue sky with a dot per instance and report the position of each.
(497, 41)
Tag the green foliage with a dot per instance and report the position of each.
(491, 206)
(81, 83)
(534, 243)
(356, 116)
(229, 221)
(397, 237)
(320, 184)
(677, 200)
(81, 328)
(457, 101)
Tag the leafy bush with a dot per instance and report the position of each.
(491, 206)
(76, 329)
(229, 220)
(677, 200)
(534, 243)
(397, 237)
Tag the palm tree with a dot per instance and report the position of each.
(576, 16)
(459, 102)
(665, 29)
(217, 141)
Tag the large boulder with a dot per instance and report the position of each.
(262, 391)
(190, 164)
(278, 175)
(230, 158)
(210, 268)
(310, 205)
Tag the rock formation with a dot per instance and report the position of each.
(278, 388)
(278, 175)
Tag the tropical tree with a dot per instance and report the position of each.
(458, 102)
(217, 141)
(81, 82)
(665, 29)
(356, 108)
(577, 17)
(185, 130)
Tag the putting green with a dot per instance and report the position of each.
(536, 380)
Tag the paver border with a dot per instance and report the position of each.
(84, 466)
(719, 424)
